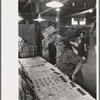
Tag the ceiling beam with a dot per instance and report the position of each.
(80, 13)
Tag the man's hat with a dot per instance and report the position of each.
(50, 31)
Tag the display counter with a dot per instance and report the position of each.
(50, 83)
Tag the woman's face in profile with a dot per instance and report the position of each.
(60, 46)
(78, 40)
(82, 35)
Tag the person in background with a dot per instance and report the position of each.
(68, 62)
(92, 44)
(82, 47)
(80, 42)
(21, 44)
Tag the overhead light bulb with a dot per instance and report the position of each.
(91, 10)
(57, 9)
(39, 19)
(54, 4)
(73, 4)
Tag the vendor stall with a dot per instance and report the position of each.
(49, 83)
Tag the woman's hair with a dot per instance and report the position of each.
(65, 42)
(78, 33)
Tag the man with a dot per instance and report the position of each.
(52, 49)
(51, 37)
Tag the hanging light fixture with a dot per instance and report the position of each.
(57, 9)
(73, 4)
(39, 19)
(54, 4)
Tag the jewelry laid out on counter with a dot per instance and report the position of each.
(50, 84)
(32, 62)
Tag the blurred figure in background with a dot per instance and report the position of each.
(81, 44)
(21, 44)
(92, 50)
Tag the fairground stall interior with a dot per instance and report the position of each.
(45, 69)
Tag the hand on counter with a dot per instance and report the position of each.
(73, 77)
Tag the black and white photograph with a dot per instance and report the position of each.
(57, 49)
(57, 56)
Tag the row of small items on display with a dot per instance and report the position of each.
(47, 84)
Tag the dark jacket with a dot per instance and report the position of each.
(52, 52)
(81, 49)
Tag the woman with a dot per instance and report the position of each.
(68, 62)
(81, 46)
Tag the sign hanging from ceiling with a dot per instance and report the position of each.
(78, 19)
